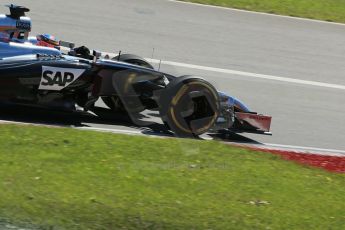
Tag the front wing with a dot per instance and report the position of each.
(252, 122)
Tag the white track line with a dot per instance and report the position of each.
(306, 148)
(243, 73)
(297, 149)
(300, 149)
(248, 74)
(311, 150)
(120, 131)
(256, 12)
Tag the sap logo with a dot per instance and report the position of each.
(54, 78)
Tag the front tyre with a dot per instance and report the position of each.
(189, 106)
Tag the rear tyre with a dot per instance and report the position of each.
(189, 106)
(114, 102)
(133, 59)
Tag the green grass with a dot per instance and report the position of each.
(327, 10)
(59, 178)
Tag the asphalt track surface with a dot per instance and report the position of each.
(293, 53)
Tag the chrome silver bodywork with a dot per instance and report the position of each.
(17, 49)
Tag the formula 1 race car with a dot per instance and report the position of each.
(40, 71)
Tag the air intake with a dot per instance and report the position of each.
(17, 11)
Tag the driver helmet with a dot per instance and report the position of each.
(47, 40)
